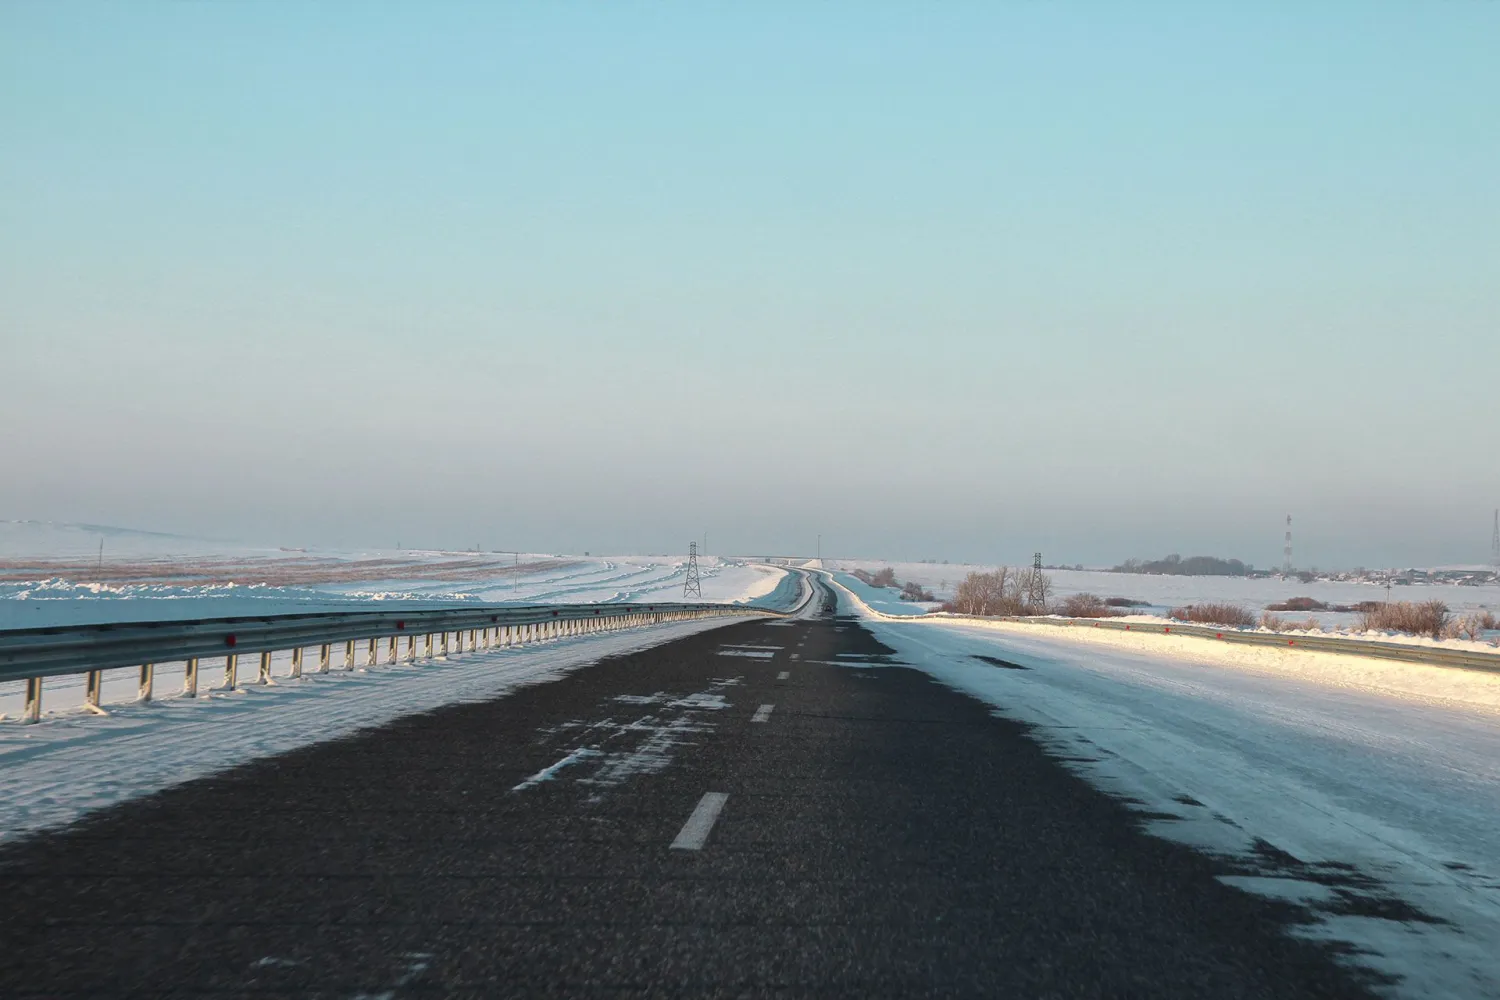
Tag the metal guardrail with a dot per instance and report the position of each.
(33, 654)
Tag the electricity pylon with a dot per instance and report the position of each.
(691, 587)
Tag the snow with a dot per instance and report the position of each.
(883, 599)
(69, 765)
(1163, 593)
(1362, 790)
(49, 575)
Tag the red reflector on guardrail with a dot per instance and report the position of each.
(1218, 635)
(229, 640)
(401, 625)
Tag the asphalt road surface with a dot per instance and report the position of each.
(766, 809)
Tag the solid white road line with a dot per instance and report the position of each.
(694, 833)
(783, 675)
(762, 714)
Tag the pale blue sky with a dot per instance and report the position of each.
(1103, 279)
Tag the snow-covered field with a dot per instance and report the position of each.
(51, 574)
(1367, 792)
(1163, 593)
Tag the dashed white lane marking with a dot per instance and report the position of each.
(694, 833)
(762, 714)
(783, 675)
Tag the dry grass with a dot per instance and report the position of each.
(1425, 618)
(1298, 604)
(1230, 615)
(1087, 606)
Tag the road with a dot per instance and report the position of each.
(768, 808)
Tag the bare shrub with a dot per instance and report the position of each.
(1273, 622)
(1425, 618)
(1471, 626)
(1032, 590)
(1087, 606)
(1002, 592)
(984, 594)
(880, 578)
(914, 591)
(1126, 602)
(1298, 604)
(1231, 615)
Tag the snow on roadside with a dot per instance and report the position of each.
(68, 765)
(1473, 689)
(1370, 799)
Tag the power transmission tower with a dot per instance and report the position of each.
(1286, 553)
(691, 587)
(1038, 597)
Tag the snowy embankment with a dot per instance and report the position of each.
(1366, 792)
(68, 765)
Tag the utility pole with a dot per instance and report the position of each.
(1494, 542)
(691, 587)
(1286, 561)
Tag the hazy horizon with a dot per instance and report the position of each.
(959, 283)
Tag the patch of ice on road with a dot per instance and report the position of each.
(550, 771)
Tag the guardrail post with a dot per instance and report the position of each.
(91, 685)
(411, 649)
(190, 678)
(147, 682)
(391, 653)
(324, 652)
(370, 653)
(33, 699)
(349, 654)
(296, 662)
(443, 655)
(427, 647)
(263, 676)
(231, 670)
